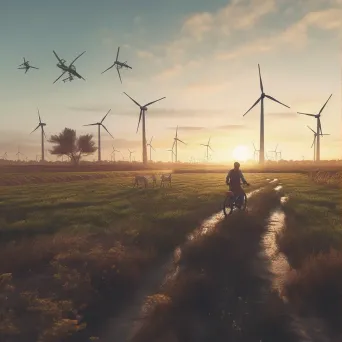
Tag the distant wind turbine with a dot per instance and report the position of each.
(262, 131)
(41, 125)
(130, 154)
(4, 157)
(255, 152)
(319, 128)
(151, 148)
(315, 140)
(143, 110)
(275, 152)
(113, 152)
(207, 146)
(99, 124)
(176, 139)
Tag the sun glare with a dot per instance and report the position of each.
(241, 153)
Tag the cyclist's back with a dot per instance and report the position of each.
(234, 179)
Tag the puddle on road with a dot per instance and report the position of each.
(279, 264)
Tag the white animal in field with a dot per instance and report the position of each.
(166, 178)
(140, 180)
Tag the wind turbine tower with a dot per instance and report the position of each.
(130, 154)
(176, 139)
(207, 146)
(319, 129)
(41, 125)
(99, 124)
(143, 110)
(262, 130)
(255, 152)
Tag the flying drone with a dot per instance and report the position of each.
(26, 66)
(71, 69)
(119, 65)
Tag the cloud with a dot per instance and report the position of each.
(187, 128)
(294, 35)
(232, 127)
(168, 73)
(180, 113)
(207, 87)
(237, 15)
(145, 54)
(91, 108)
(121, 143)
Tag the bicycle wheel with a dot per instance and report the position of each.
(228, 206)
(244, 205)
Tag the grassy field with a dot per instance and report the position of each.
(312, 242)
(73, 246)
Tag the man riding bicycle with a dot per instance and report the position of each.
(233, 181)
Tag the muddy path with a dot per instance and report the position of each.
(226, 284)
(308, 328)
(123, 326)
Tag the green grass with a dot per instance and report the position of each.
(75, 244)
(314, 221)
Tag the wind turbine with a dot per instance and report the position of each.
(255, 152)
(99, 124)
(113, 152)
(262, 132)
(176, 144)
(275, 152)
(18, 154)
(319, 128)
(130, 154)
(172, 151)
(4, 157)
(41, 125)
(207, 146)
(143, 110)
(314, 140)
(151, 148)
(279, 154)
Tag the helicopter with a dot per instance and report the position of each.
(119, 65)
(71, 69)
(26, 66)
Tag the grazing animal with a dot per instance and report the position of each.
(165, 179)
(154, 180)
(140, 179)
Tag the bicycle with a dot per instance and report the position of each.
(230, 203)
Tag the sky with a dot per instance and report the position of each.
(202, 56)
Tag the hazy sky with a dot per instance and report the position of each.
(201, 55)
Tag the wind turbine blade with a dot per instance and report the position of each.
(272, 98)
(147, 104)
(276, 148)
(105, 115)
(107, 130)
(203, 145)
(311, 129)
(117, 54)
(43, 132)
(313, 141)
(324, 105)
(256, 102)
(133, 100)
(254, 147)
(181, 141)
(306, 114)
(76, 59)
(59, 77)
(94, 124)
(153, 149)
(107, 69)
(211, 148)
(40, 121)
(151, 139)
(261, 85)
(117, 69)
(139, 119)
(35, 129)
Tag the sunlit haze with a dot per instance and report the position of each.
(201, 55)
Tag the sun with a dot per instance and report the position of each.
(241, 153)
